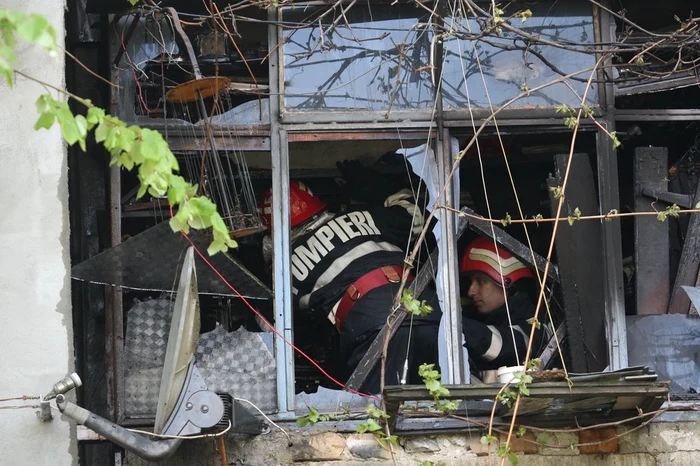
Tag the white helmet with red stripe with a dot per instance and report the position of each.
(482, 256)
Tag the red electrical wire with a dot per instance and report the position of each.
(136, 79)
(315, 364)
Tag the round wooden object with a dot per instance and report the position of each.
(198, 88)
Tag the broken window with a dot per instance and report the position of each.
(363, 59)
(491, 72)
(372, 57)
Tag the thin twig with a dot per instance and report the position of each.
(84, 66)
(551, 247)
(608, 216)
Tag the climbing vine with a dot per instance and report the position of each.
(433, 382)
(375, 424)
(413, 305)
(130, 146)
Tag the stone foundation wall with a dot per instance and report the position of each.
(657, 444)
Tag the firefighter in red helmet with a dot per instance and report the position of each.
(497, 288)
(347, 265)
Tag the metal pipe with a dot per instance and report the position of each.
(151, 450)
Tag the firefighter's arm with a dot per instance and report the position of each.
(493, 345)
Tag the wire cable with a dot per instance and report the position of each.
(266, 418)
(272, 327)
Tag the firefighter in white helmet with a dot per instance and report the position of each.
(496, 288)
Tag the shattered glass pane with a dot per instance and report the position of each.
(510, 64)
(376, 60)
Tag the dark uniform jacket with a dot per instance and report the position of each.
(489, 337)
(362, 238)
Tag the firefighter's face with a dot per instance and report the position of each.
(485, 294)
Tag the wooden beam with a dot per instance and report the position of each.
(651, 237)
(689, 264)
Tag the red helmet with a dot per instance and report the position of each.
(482, 256)
(303, 204)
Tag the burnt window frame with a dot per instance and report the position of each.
(275, 136)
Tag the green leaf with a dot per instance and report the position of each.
(82, 125)
(37, 30)
(532, 320)
(202, 206)
(215, 247)
(177, 189)
(411, 304)
(133, 2)
(176, 225)
(95, 116)
(571, 122)
(426, 371)
(373, 425)
(425, 309)
(524, 15)
(43, 103)
(432, 385)
(218, 223)
(534, 364)
(524, 390)
(102, 132)
(673, 210)
(448, 406)
(313, 415)
(125, 160)
(513, 458)
(375, 412)
(502, 449)
(152, 145)
(616, 142)
(70, 131)
(45, 120)
(507, 220)
(522, 430)
(487, 439)
(6, 70)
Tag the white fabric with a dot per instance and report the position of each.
(423, 164)
(405, 199)
(495, 346)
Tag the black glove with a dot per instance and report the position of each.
(365, 184)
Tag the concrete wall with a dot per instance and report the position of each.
(657, 444)
(35, 310)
